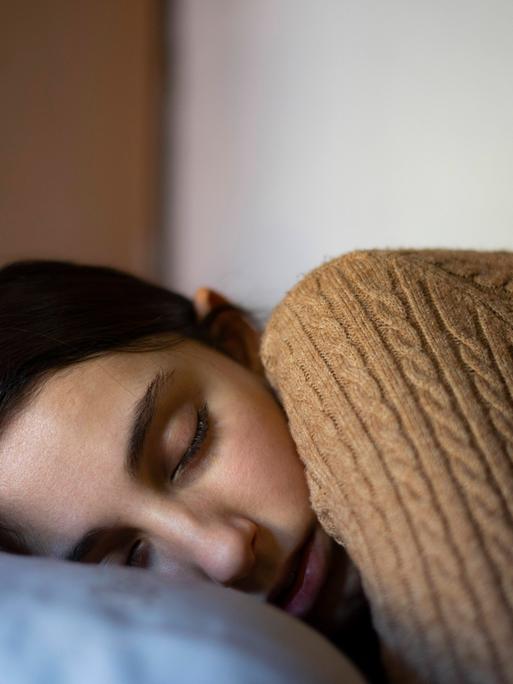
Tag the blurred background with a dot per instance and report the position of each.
(238, 144)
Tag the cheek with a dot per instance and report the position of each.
(262, 459)
(256, 467)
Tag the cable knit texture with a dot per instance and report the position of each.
(395, 369)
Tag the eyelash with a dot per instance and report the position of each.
(202, 426)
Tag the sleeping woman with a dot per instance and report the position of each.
(352, 466)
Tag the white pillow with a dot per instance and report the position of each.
(62, 623)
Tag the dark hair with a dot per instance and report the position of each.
(56, 313)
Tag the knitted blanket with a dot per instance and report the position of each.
(395, 369)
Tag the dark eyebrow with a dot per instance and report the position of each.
(141, 422)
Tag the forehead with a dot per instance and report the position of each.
(70, 432)
(70, 396)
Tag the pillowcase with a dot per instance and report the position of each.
(63, 623)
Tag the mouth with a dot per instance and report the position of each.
(304, 576)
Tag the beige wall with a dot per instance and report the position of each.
(78, 130)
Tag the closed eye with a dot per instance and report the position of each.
(202, 427)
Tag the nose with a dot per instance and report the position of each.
(218, 545)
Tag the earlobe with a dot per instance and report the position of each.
(229, 328)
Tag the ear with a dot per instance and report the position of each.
(230, 329)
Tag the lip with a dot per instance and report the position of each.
(303, 577)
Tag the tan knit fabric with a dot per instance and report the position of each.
(396, 372)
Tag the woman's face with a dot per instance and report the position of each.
(178, 460)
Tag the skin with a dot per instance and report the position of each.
(235, 514)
